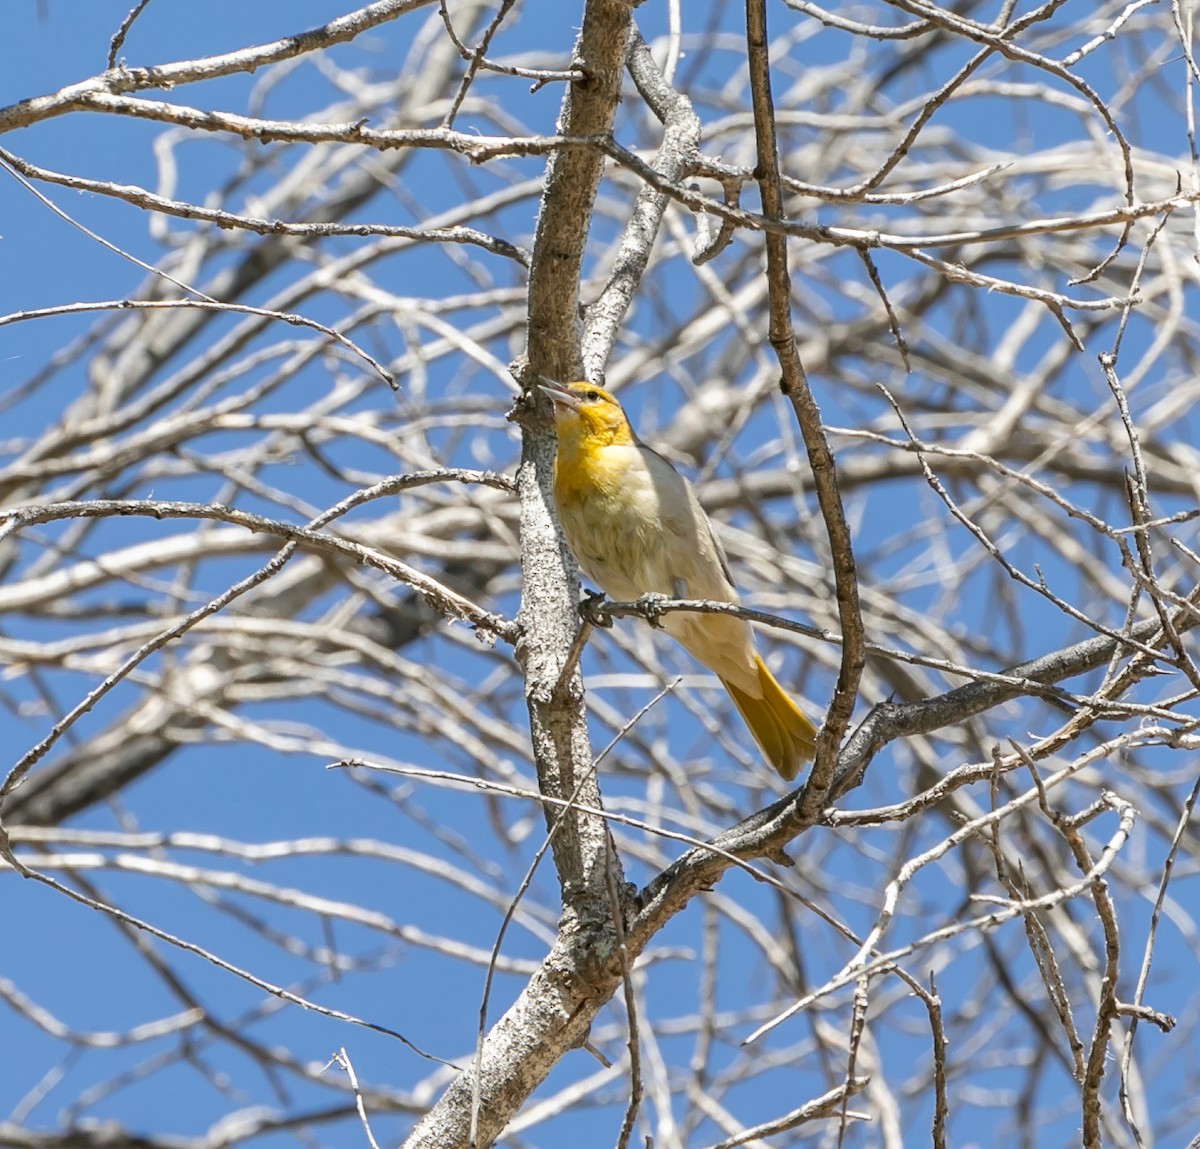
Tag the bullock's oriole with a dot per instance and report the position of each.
(636, 528)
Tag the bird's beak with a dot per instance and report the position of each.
(559, 392)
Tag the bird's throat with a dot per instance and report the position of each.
(590, 461)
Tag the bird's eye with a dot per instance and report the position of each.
(592, 396)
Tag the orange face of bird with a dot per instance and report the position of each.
(584, 412)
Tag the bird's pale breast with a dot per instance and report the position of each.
(636, 528)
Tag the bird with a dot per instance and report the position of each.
(636, 529)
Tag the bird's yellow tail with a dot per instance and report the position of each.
(787, 738)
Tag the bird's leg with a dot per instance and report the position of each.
(590, 612)
(648, 604)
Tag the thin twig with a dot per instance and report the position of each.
(794, 384)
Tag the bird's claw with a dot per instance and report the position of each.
(590, 610)
(651, 607)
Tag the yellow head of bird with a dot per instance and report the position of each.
(585, 413)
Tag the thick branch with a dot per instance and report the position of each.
(553, 1012)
